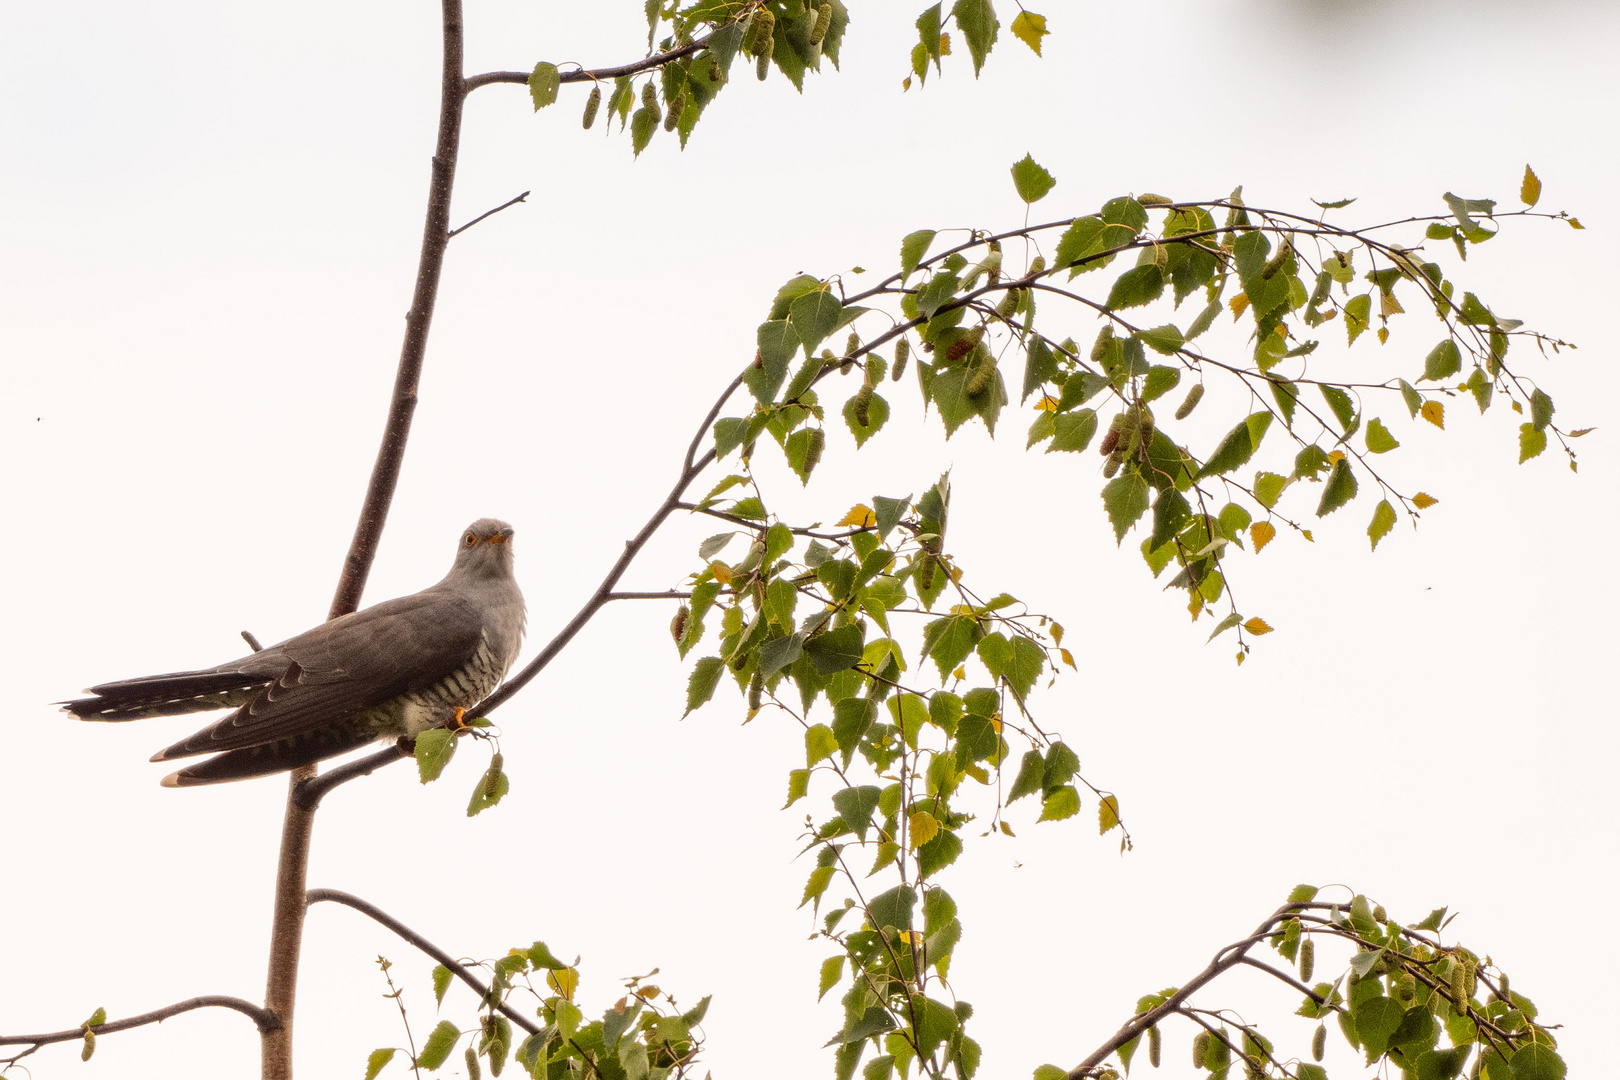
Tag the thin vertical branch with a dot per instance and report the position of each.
(287, 926)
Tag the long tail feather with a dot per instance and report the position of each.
(165, 695)
(275, 757)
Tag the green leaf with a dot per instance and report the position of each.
(1383, 520)
(642, 126)
(483, 797)
(1302, 894)
(434, 749)
(1050, 1072)
(1344, 408)
(1443, 361)
(1532, 441)
(544, 82)
(1164, 339)
(978, 23)
(1357, 311)
(1030, 771)
(852, 718)
(777, 344)
(1339, 489)
(893, 908)
(813, 316)
(938, 853)
(1032, 181)
(1537, 1061)
(856, 804)
(377, 1060)
(1268, 488)
(1541, 410)
(1376, 1020)
(1379, 440)
(837, 650)
(832, 969)
(1072, 431)
(1039, 366)
(1061, 765)
(819, 743)
(914, 245)
(1125, 498)
(700, 686)
(436, 1051)
(817, 884)
(950, 640)
(1061, 803)
(1030, 28)
(1238, 446)
(877, 414)
(1137, 286)
(1413, 400)
(441, 983)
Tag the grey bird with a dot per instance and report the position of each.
(392, 670)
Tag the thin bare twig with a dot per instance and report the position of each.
(509, 202)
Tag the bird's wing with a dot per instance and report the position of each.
(346, 666)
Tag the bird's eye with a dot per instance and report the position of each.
(470, 540)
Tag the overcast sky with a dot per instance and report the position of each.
(209, 215)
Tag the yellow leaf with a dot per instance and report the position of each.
(721, 572)
(1517, 407)
(1030, 28)
(1048, 403)
(1240, 659)
(1257, 626)
(1067, 658)
(1388, 305)
(1238, 303)
(959, 674)
(1330, 313)
(646, 993)
(956, 575)
(1107, 814)
(564, 981)
(1007, 829)
(995, 722)
(1383, 334)
(1262, 533)
(1575, 223)
(1530, 189)
(904, 936)
(1578, 432)
(944, 44)
(905, 84)
(859, 516)
(1434, 413)
(1306, 533)
(1336, 457)
(1057, 628)
(1422, 501)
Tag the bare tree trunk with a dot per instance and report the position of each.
(287, 924)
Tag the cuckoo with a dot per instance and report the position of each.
(392, 670)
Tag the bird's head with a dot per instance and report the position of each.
(485, 547)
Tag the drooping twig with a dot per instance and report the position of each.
(657, 60)
(263, 1019)
(455, 967)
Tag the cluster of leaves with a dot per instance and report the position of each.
(797, 627)
(812, 619)
(1403, 990)
(706, 38)
(645, 1035)
(969, 313)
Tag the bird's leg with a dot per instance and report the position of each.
(458, 722)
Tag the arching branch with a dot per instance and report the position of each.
(263, 1019)
(454, 966)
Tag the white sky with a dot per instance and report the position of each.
(209, 215)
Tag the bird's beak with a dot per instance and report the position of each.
(501, 537)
